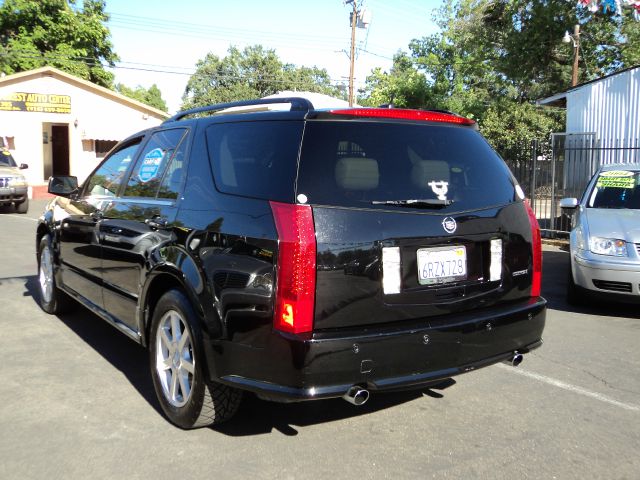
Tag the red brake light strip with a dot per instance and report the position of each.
(405, 114)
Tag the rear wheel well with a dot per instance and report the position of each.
(158, 287)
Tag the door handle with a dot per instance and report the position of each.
(157, 222)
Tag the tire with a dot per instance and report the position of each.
(22, 207)
(52, 299)
(176, 361)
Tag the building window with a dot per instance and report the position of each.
(103, 147)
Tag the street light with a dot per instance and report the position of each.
(575, 39)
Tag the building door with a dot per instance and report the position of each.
(60, 149)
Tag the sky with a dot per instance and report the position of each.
(160, 41)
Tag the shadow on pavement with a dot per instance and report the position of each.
(259, 417)
(255, 416)
(121, 352)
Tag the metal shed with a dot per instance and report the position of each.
(606, 112)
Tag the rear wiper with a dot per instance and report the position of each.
(415, 203)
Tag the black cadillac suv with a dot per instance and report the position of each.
(220, 241)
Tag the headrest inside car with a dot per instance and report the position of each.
(425, 171)
(357, 173)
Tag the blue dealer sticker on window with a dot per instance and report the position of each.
(151, 165)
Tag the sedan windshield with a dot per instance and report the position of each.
(616, 189)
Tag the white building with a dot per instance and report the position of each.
(605, 111)
(60, 124)
(603, 127)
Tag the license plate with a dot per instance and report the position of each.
(442, 265)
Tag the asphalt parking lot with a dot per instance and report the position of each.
(77, 402)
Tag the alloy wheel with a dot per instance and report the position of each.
(45, 275)
(175, 363)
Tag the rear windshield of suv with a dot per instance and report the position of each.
(360, 164)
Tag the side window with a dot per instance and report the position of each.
(106, 180)
(172, 180)
(149, 171)
(255, 159)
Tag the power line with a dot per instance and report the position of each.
(209, 29)
(152, 25)
(147, 68)
(297, 41)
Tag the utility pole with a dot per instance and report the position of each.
(576, 55)
(352, 57)
(575, 40)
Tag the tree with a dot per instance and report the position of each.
(492, 59)
(404, 86)
(254, 72)
(513, 47)
(151, 97)
(35, 33)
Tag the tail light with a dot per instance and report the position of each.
(536, 247)
(296, 271)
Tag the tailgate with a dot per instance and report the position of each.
(379, 266)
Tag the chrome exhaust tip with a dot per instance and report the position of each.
(356, 395)
(515, 360)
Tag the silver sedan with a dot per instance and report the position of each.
(605, 239)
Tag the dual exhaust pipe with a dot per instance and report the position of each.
(515, 360)
(357, 395)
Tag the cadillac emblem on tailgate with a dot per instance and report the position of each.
(449, 225)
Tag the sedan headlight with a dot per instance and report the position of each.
(18, 181)
(608, 246)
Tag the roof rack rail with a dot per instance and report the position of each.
(297, 104)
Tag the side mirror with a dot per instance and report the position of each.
(23, 166)
(63, 186)
(569, 203)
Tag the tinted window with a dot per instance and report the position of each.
(172, 180)
(356, 163)
(257, 159)
(616, 189)
(150, 169)
(106, 180)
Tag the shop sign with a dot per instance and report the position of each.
(35, 102)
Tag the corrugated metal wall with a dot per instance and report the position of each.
(610, 108)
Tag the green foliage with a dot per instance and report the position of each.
(493, 59)
(254, 72)
(151, 97)
(508, 123)
(35, 33)
(403, 87)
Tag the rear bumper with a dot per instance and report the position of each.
(289, 368)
